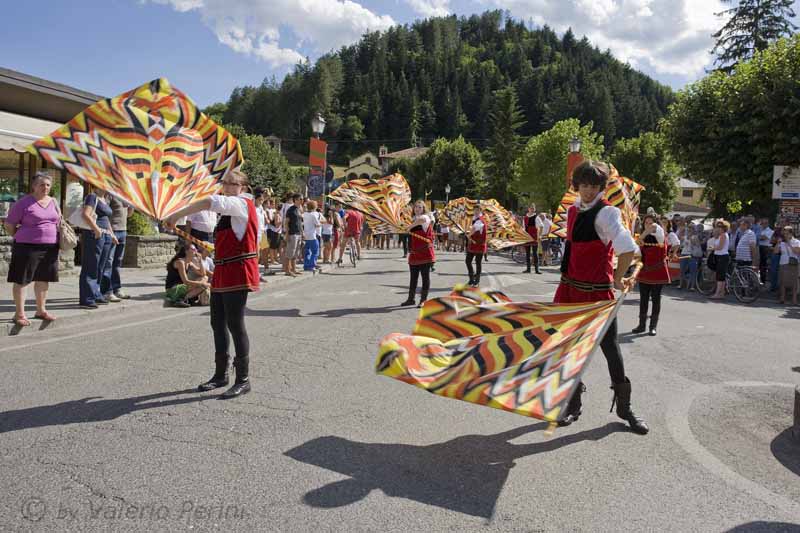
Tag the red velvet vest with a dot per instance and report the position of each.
(587, 270)
(477, 240)
(236, 262)
(420, 250)
(530, 227)
(654, 259)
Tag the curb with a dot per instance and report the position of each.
(132, 307)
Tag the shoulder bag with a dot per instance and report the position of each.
(67, 239)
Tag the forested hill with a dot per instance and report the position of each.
(435, 78)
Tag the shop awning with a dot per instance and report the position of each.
(18, 131)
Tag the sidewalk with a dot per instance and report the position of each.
(145, 287)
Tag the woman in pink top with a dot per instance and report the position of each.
(33, 222)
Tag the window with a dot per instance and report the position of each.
(369, 160)
(688, 193)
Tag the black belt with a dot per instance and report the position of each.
(236, 258)
(585, 286)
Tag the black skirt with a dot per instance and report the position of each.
(33, 262)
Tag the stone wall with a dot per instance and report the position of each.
(66, 260)
(148, 252)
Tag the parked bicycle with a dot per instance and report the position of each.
(742, 281)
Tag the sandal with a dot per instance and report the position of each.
(22, 321)
(45, 316)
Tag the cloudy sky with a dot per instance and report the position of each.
(208, 47)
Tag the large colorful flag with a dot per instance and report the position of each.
(503, 230)
(621, 192)
(151, 147)
(482, 348)
(385, 200)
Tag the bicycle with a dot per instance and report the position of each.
(742, 281)
(350, 249)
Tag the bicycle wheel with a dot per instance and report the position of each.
(745, 285)
(706, 280)
(353, 255)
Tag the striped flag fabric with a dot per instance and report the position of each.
(385, 201)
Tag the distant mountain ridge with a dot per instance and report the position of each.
(436, 78)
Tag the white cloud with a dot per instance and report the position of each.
(666, 36)
(430, 8)
(256, 27)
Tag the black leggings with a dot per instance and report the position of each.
(610, 347)
(404, 242)
(532, 248)
(478, 260)
(416, 270)
(649, 292)
(227, 314)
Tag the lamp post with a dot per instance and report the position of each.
(318, 126)
(447, 193)
(574, 158)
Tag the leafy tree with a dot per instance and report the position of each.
(645, 159)
(216, 111)
(505, 143)
(752, 26)
(457, 163)
(542, 166)
(263, 164)
(728, 131)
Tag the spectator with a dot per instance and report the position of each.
(96, 241)
(695, 232)
(764, 249)
(207, 260)
(293, 229)
(747, 246)
(111, 279)
(775, 258)
(273, 235)
(721, 253)
(201, 225)
(544, 224)
(33, 222)
(327, 235)
(261, 218)
(790, 257)
(180, 287)
(312, 220)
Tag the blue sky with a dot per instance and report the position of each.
(208, 47)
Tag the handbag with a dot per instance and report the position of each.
(67, 239)
(77, 220)
(712, 261)
(793, 261)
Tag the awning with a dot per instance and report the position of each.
(18, 131)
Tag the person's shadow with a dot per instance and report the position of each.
(465, 474)
(89, 409)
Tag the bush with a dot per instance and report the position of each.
(138, 224)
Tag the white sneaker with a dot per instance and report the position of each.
(113, 298)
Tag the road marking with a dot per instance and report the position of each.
(677, 418)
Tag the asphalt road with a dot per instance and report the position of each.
(100, 427)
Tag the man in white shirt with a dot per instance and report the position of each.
(764, 248)
(201, 225)
(747, 247)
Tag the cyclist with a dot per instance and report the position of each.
(353, 221)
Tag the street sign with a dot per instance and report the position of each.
(315, 182)
(786, 183)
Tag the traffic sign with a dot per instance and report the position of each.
(315, 182)
(786, 183)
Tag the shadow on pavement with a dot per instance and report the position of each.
(89, 409)
(765, 526)
(405, 289)
(465, 474)
(288, 313)
(786, 449)
(356, 271)
(336, 313)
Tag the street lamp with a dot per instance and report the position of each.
(574, 158)
(447, 193)
(318, 125)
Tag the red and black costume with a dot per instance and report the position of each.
(652, 278)
(420, 259)
(587, 275)
(476, 249)
(529, 221)
(235, 276)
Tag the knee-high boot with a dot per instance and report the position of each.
(622, 397)
(574, 407)
(220, 377)
(242, 384)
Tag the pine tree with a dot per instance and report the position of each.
(752, 26)
(505, 143)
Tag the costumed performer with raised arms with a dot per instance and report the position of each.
(655, 273)
(420, 253)
(235, 275)
(595, 233)
(476, 245)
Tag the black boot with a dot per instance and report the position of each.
(527, 271)
(653, 325)
(642, 325)
(410, 300)
(622, 397)
(242, 384)
(472, 281)
(574, 406)
(476, 281)
(220, 377)
(422, 298)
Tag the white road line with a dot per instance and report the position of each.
(677, 418)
